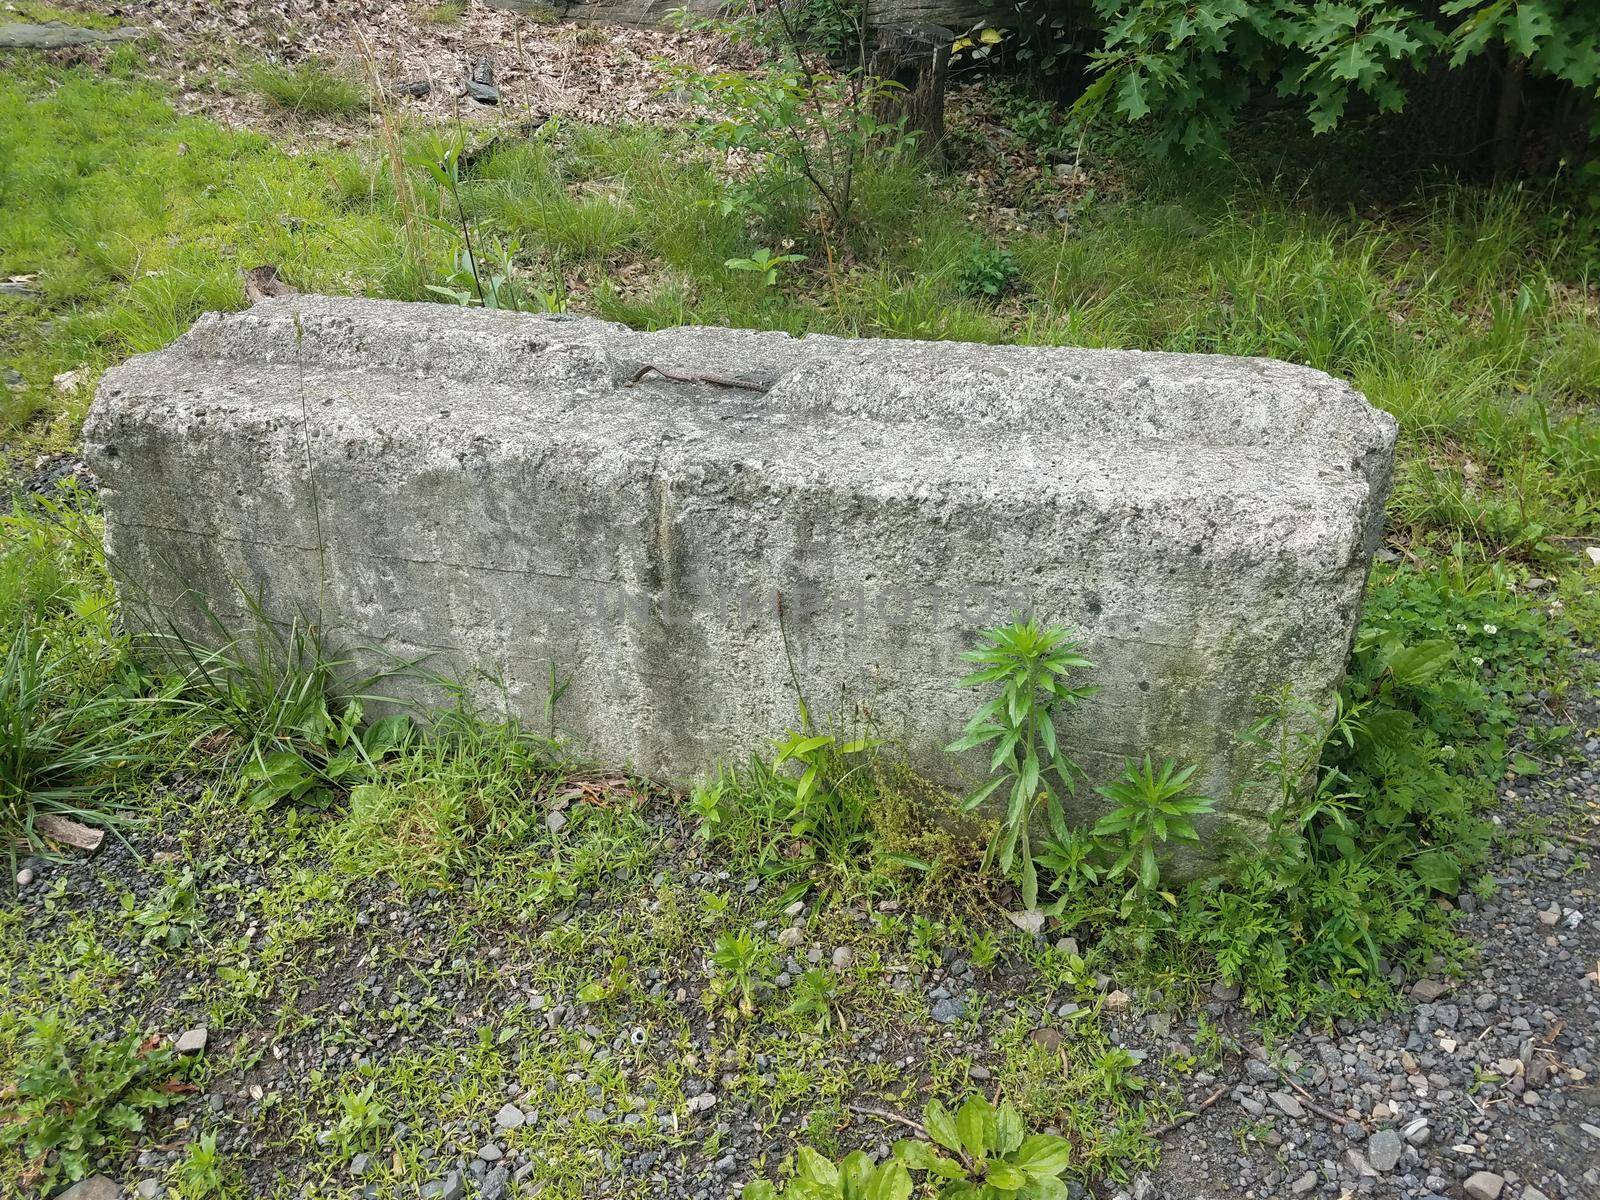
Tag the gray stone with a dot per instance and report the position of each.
(1426, 991)
(480, 83)
(1304, 1184)
(1484, 1185)
(96, 1187)
(148, 1189)
(191, 1041)
(1383, 1150)
(505, 497)
(55, 35)
(949, 1010)
(1358, 1164)
(489, 1152)
(509, 1117)
(1287, 1104)
(451, 1187)
(556, 822)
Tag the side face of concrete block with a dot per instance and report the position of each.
(957, 14)
(488, 492)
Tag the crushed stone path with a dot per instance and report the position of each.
(1488, 1088)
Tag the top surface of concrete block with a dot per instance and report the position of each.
(496, 488)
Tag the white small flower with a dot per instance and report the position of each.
(1491, 629)
(1477, 661)
(1461, 629)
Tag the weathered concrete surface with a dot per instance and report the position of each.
(55, 35)
(959, 14)
(490, 492)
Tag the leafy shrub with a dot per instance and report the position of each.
(1043, 36)
(1374, 810)
(1151, 809)
(172, 916)
(831, 26)
(808, 813)
(1346, 885)
(811, 130)
(990, 271)
(764, 263)
(994, 1155)
(198, 1175)
(857, 1177)
(1192, 70)
(79, 1100)
(739, 962)
(363, 1120)
(815, 998)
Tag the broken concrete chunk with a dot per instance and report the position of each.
(56, 35)
(516, 497)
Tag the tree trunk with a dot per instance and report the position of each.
(917, 59)
(1508, 116)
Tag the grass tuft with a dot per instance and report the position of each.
(309, 90)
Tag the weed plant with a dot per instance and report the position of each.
(79, 1099)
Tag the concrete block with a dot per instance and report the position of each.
(496, 494)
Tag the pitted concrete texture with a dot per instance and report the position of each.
(957, 14)
(494, 494)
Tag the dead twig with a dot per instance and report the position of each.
(1162, 1130)
(1327, 1114)
(883, 1114)
(697, 377)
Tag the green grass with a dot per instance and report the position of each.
(1458, 312)
(137, 220)
(309, 90)
(449, 12)
(34, 12)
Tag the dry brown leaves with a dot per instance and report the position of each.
(601, 74)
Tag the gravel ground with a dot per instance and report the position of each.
(1483, 1089)
(1487, 1088)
